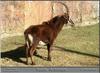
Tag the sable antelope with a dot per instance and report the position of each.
(46, 32)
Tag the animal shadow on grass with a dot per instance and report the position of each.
(72, 51)
(19, 52)
(16, 54)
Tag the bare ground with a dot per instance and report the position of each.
(60, 57)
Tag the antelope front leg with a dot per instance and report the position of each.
(49, 51)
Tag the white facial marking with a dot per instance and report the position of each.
(41, 43)
(30, 38)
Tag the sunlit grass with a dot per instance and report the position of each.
(82, 39)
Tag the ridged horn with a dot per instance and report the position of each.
(67, 10)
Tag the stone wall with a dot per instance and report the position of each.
(37, 12)
(12, 17)
(16, 16)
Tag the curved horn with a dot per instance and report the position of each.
(67, 10)
(67, 14)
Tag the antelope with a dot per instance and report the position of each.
(46, 33)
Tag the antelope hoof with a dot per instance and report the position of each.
(27, 63)
(49, 59)
(33, 63)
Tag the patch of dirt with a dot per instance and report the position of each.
(59, 58)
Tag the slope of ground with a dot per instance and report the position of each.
(73, 47)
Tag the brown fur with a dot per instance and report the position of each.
(46, 32)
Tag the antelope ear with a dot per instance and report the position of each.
(65, 16)
(65, 13)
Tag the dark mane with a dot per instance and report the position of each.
(53, 20)
(46, 32)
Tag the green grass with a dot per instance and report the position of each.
(11, 43)
(82, 39)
